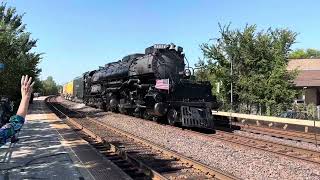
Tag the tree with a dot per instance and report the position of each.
(259, 58)
(49, 86)
(304, 54)
(16, 52)
(202, 73)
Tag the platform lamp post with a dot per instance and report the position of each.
(231, 92)
(304, 95)
(1, 68)
(314, 119)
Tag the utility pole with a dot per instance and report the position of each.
(231, 93)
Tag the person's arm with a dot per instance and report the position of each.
(26, 90)
(16, 122)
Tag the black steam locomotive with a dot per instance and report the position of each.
(154, 85)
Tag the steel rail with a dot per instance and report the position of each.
(145, 169)
(260, 144)
(210, 171)
(286, 134)
(270, 146)
(293, 152)
(202, 167)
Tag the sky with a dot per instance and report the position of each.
(80, 35)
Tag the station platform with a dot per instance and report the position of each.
(50, 149)
(271, 121)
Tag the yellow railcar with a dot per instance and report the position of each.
(69, 89)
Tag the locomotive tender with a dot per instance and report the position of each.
(154, 85)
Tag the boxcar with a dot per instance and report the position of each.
(69, 90)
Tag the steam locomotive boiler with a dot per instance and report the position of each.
(154, 85)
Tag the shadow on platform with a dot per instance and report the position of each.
(39, 154)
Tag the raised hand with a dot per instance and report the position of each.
(26, 87)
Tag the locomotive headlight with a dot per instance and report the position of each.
(187, 72)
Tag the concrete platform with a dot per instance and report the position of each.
(286, 123)
(49, 149)
(302, 122)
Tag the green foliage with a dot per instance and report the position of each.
(15, 52)
(49, 86)
(202, 73)
(311, 111)
(260, 79)
(304, 54)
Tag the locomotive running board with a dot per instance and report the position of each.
(196, 117)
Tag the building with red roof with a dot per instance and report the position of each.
(308, 78)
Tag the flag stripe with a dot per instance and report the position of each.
(162, 84)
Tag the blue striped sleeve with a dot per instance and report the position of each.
(10, 129)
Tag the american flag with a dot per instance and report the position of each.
(162, 84)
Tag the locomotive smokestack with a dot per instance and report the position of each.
(179, 49)
(172, 46)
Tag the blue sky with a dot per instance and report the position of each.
(80, 35)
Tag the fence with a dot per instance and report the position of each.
(295, 111)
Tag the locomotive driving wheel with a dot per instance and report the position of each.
(102, 106)
(172, 116)
(114, 103)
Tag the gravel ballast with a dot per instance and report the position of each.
(300, 144)
(243, 162)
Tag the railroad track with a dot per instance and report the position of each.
(287, 134)
(141, 158)
(270, 146)
(264, 145)
(294, 152)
